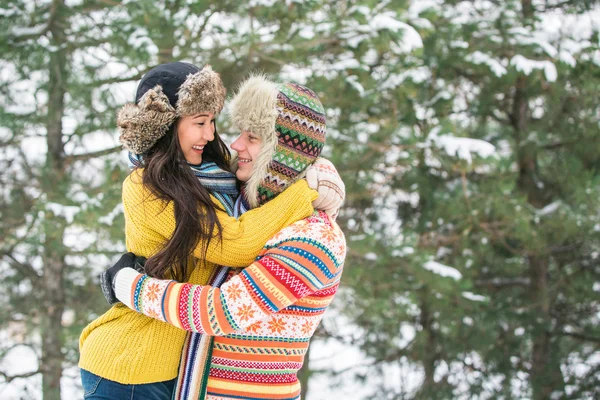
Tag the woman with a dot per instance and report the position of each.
(261, 319)
(175, 205)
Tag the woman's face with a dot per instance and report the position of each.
(247, 145)
(194, 132)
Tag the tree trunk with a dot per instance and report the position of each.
(527, 9)
(53, 184)
(546, 376)
(166, 42)
(430, 353)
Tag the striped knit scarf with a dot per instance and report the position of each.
(196, 355)
(197, 348)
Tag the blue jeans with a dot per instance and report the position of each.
(98, 388)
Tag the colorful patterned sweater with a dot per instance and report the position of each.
(262, 317)
(127, 347)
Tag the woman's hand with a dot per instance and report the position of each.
(107, 278)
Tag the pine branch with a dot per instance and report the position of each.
(34, 31)
(89, 252)
(119, 80)
(557, 145)
(5, 350)
(96, 6)
(86, 156)
(7, 143)
(586, 4)
(75, 45)
(28, 169)
(274, 60)
(499, 284)
(26, 269)
(10, 378)
(194, 39)
(580, 336)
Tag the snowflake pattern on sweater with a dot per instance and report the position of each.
(262, 318)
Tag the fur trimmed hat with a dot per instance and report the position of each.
(290, 121)
(165, 93)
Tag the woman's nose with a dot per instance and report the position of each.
(209, 132)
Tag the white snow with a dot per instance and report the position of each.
(527, 66)
(464, 148)
(403, 252)
(293, 73)
(387, 20)
(60, 210)
(442, 270)
(353, 81)
(417, 7)
(474, 297)
(567, 58)
(549, 209)
(496, 66)
(20, 31)
(346, 63)
(109, 218)
(266, 3)
(460, 44)
(370, 57)
(417, 75)
(410, 39)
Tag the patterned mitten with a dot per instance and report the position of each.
(324, 178)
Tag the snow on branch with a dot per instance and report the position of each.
(478, 58)
(442, 270)
(527, 66)
(462, 147)
(10, 378)
(24, 32)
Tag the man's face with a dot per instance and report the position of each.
(248, 146)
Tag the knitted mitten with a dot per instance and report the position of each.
(107, 278)
(324, 178)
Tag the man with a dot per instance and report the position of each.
(262, 318)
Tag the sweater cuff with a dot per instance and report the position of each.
(124, 281)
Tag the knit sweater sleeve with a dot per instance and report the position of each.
(242, 239)
(299, 261)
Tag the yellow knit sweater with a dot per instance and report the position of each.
(130, 348)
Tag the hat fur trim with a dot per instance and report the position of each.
(254, 109)
(202, 92)
(143, 124)
(261, 168)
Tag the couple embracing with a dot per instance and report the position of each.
(231, 261)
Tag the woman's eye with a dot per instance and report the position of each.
(200, 123)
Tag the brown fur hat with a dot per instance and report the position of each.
(142, 124)
(166, 92)
(201, 92)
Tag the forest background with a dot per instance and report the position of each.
(468, 135)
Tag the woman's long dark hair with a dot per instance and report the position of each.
(169, 178)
